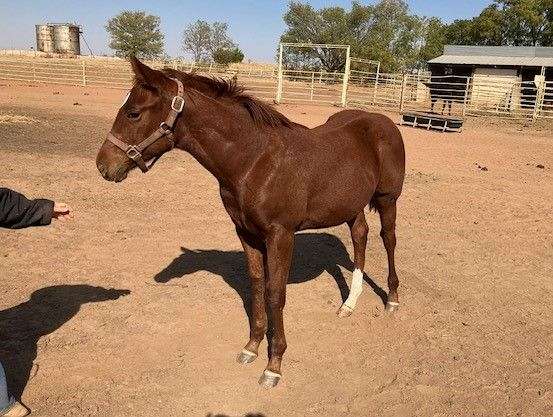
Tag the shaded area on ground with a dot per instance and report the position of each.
(314, 253)
(47, 309)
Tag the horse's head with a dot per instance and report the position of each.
(143, 128)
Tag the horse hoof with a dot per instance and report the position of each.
(392, 306)
(344, 311)
(246, 357)
(269, 379)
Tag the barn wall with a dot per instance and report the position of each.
(495, 88)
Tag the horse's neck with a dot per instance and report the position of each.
(220, 137)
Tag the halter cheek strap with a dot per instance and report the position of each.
(165, 129)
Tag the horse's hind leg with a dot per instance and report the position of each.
(386, 206)
(359, 230)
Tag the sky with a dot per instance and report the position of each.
(255, 25)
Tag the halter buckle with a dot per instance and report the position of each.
(133, 153)
(177, 104)
(165, 127)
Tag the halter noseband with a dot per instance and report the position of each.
(134, 152)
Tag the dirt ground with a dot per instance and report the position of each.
(136, 307)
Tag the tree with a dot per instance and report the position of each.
(202, 39)
(435, 37)
(528, 22)
(219, 39)
(489, 27)
(135, 33)
(396, 35)
(195, 39)
(460, 32)
(507, 22)
(226, 56)
(386, 32)
(389, 33)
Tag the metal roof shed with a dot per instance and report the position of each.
(496, 56)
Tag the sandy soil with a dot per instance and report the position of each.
(135, 308)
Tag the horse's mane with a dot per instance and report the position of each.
(261, 113)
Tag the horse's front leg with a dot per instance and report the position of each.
(279, 243)
(253, 249)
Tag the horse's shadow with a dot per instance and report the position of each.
(48, 309)
(314, 253)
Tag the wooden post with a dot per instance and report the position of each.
(84, 72)
(312, 85)
(278, 98)
(34, 71)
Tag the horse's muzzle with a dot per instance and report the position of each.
(115, 173)
(113, 165)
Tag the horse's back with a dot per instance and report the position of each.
(374, 129)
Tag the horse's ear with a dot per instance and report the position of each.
(147, 75)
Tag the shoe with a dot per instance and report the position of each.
(16, 410)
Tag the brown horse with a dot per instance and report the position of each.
(276, 177)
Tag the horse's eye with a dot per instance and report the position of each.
(133, 115)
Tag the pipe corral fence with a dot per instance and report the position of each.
(478, 95)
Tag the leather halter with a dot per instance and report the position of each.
(165, 129)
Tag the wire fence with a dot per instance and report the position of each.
(459, 96)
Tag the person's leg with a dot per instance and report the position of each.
(8, 406)
(5, 400)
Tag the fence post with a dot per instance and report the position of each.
(346, 78)
(402, 97)
(540, 94)
(34, 71)
(376, 78)
(84, 72)
(278, 98)
(466, 99)
(312, 85)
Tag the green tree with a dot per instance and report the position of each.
(488, 28)
(203, 39)
(507, 22)
(396, 35)
(135, 33)
(528, 22)
(435, 37)
(195, 39)
(226, 56)
(386, 32)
